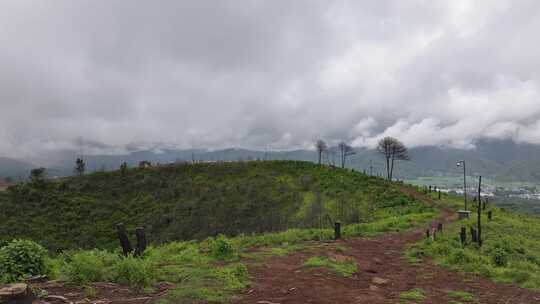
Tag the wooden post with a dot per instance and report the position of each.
(439, 227)
(433, 233)
(474, 235)
(124, 240)
(141, 241)
(490, 215)
(479, 211)
(429, 188)
(337, 230)
(463, 235)
(439, 194)
(427, 233)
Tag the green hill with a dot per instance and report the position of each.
(193, 201)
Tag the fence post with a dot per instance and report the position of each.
(490, 215)
(123, 238)
(439, 227)
(439, 194)
(141, 241)
(337, 230)
(474, 236)
(463, 235)
(427, 233)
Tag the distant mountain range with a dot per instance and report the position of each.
(501, 160)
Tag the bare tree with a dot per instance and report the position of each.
(392, 149)
(345, 151)
(80, 166)
(321, 147)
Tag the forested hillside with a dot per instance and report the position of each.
(193, 201)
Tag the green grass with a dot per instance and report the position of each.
(510, 252)
(264, 209)
(344, 268)
(416, 295)
(194, 201)
(461, 295)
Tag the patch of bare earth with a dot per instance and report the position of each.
(54, 292)
(382, 275)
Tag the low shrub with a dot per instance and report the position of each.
(20, 259)
(82, 267)
(219, 247)
(135, 272)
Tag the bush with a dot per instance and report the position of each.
(20, 259)
(499, 257)
(82, 267)
(219, 247)
(134, 272)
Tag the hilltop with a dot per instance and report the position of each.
(194, 201)
(279, 247)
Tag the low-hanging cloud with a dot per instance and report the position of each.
(265, 74)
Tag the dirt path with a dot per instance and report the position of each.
(382, 275)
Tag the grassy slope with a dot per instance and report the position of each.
(510, 252)
(195, 201)
(212, 270)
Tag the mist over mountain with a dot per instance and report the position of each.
(503, 160)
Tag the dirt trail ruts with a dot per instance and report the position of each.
(382, 275)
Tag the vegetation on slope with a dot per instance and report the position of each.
(510, 252)
(212, 270)
(194, 201)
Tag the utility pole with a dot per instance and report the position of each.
(479, 212)
(459, 163)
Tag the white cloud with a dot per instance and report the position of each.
(259, 74)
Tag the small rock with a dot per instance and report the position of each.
(379, 281)
(373, 288)
(37, 279)
(57, 299)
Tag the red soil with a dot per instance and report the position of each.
(382, 275)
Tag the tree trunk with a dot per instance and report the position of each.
(392, 168)
(124, 240)
(388, 167)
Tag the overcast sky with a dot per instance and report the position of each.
(273, 74)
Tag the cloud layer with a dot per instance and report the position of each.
(265, 74)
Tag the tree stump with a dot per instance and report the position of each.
(124, 240)
(16, 294)
(337, 230)
(141, 241)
